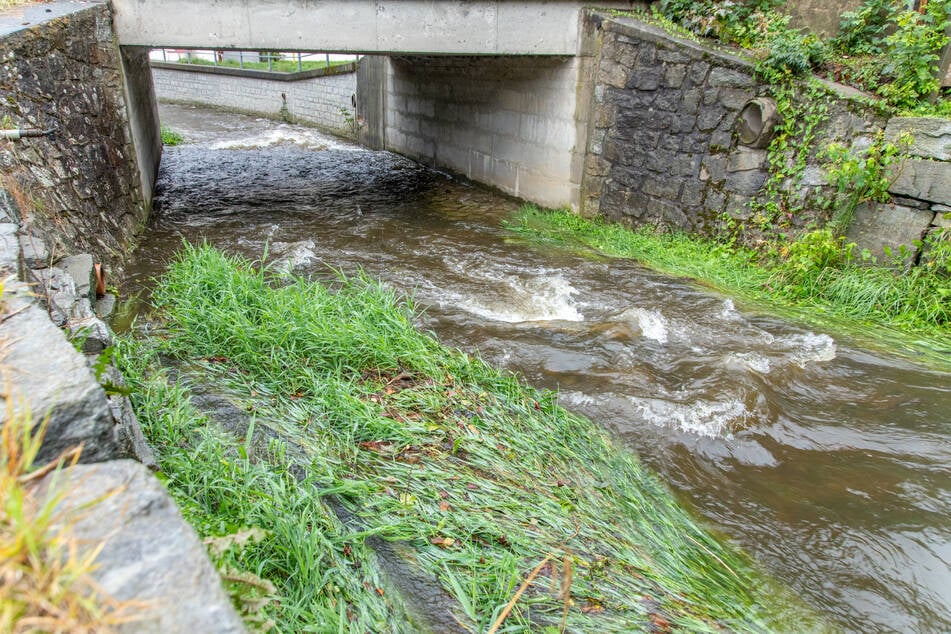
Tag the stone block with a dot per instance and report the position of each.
(738, 206)
(709, 118)
(667, 188)
(932, 137)
(54, 381)
(744, 159)
(690, 101)
(714, 165)
(692, 195)
(714, 201)
(668, 213)
(728, 78)
(875, 226)
(80, 269)
(735, 98)
(94, 334)
(674, 75)
(645, 78)
(747, 183)
(34, 250)
(149, 553)
(923, 179)
(697, 73)
(9, 249)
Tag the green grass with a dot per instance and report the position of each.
(170, 137)
(277, 66)
(916, 302)
(473, 477)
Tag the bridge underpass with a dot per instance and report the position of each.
(496, 91)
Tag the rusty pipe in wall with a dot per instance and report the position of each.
(16, 135)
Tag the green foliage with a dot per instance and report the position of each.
(863, 31)
(884, 46)
(912, 53)
(791, 53)
(170, 137)
(861, 176)
(727, 20)
(804, 107)
(474, 476)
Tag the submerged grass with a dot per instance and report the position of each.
(484, 484)
(917, 303)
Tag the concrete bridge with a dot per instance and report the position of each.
(494, 90)
(473, 27)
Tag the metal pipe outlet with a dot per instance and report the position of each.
(16, 135)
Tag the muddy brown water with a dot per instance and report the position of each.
(830, 462)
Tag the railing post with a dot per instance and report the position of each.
(300, 64)
(240, 59)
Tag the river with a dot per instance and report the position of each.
(828, 462)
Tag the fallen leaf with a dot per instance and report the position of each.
(592, 607)
(444, 506)
(442, 542)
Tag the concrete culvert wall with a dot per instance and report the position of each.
(509, 122)
(320, 99)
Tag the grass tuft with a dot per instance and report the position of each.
(522, 515)
(171, 137)
(45, 574)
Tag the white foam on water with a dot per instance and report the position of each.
(576, 398)
(516, 299)
(728, 311)
(652, 324)
(810, 348)
(753, 361)
(281, 136)
(704, 418)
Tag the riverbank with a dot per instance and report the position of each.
(818, 274)
(476, 482)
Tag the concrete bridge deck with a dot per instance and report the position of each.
(474, 27)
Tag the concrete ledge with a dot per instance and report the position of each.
(149, 553)
(251, 73)
(647, 32)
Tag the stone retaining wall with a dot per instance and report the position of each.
(324, 100)
(664, 147)
(83, 188)
(68, 203)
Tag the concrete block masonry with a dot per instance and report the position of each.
(508, 122)
(324, 101)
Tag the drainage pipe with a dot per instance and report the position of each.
(16, 135)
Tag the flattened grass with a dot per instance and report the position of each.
(473, 476)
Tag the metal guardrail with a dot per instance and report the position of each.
(219, 57)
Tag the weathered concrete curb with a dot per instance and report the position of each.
(149, 554)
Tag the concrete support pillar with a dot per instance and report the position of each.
(143, 117)
(371, 101)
